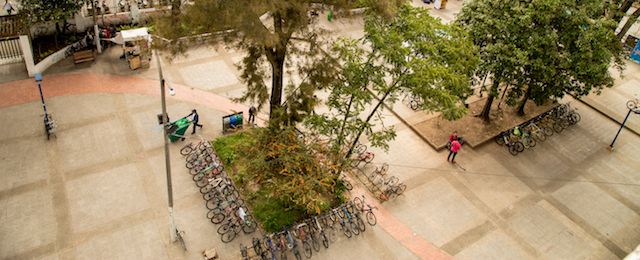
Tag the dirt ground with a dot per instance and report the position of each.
(473, 129)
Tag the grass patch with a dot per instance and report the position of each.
(226, 147)
(272, 213)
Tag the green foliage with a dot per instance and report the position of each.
(411, 53)
(44, 11)
(226, 147)
(45, 54)
(543, 49)
(274, 214)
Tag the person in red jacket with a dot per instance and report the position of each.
(455, 146)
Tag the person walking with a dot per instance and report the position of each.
(252, 114)
(9, 7)
(195, 120)
(455, 146)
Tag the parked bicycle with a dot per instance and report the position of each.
(393, 190)
(366, 157)
(360, 205)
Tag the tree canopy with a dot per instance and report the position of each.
(411, 52)
(276, 36)
(543, 49)
(43, 11)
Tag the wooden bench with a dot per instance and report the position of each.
(82, 56)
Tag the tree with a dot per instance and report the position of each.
(274, 34)
(411, 52)
(542, 49)
(44, 11)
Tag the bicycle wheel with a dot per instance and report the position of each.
(209, 195)
(355, 162)
(361, 149)
(296, 253)
(400, 189)
(243, 251)
(228, 237)
(499, 140)
(385, 195)
(393, 180)
(414, 105)
(371, 218)
(542, 136)
(548, 130)
(314, 243)
(358, 203)
(249, 226)
(324, 239)
(576, 117)
(631, 105)
(306, 248)
(372, 175)
(218, 218)
(198, 176)
(212, 212)
(385, 169)
(224, 228)
(513, 150)
(283, 253)
(360, 223)
(347, 184)
(332, 216)
(186, 150)
(345, 230)
(531, 142)
(192, 157)
(354, 228)
(369, 158)
(519, 146)
(202, 182)
(206, 189)
(181, 240)
(332, 234)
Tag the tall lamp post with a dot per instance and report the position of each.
(634, 107)
(165, 119)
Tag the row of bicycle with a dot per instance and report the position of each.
(538, 128)
(387, 186)
(307, 236)
(222, 198)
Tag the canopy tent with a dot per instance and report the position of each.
(131, 35)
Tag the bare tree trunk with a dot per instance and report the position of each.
(632, 19)
(373, 112)
(276, 84)
(487, 105)
(524, 102)
(175, 7)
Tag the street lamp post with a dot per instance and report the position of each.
(633, 107)
(165, 119)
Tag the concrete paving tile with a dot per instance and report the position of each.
(50, 257)
(494, 246)
(18, 123)
(485, 172)
(70, 109)
(136, 100)
(202, 52)
(208, 76)
(631, 88)
(22, 162)
(629, 149)
(572, 144)
(105, 196)
(620, 176)
(142, 241)
(627, 237)
(181, 180)
(549, 235)
(603, 212)
(27, 222)
(104, 141)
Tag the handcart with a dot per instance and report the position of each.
(177, 129)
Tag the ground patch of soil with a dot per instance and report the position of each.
(473, 129)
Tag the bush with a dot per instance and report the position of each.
(226, 147)
(273, 214)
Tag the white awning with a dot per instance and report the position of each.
(131, 35)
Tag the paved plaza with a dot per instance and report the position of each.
(98, 190)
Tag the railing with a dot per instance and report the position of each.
(10, 26)
(10, 48)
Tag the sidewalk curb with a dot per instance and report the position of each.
(605, 114)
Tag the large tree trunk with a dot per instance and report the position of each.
(621, 12)
(276, 83)
(487, 105)
(632, 19)
(175, 7)
(524, 102)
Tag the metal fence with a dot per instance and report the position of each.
(10, 48)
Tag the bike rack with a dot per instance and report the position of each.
(371, 186)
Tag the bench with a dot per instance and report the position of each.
(82, 56)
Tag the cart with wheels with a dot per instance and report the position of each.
(177, 129)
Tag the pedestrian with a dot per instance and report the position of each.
(455, 146)
(252, 114)
(195, 120)
(9, 7)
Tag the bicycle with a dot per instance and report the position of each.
(367, 158)
(269, 246)
(301, 234)
(216, 207)
(293, 245)
(49, 126)
(355, 224)
(343, 224)
(540, 134)
(321, 233)
(514, 146)
(524, 136)
(633, 104)
(378, 171)
(360, 203)
(359, 148)
(180, 235)
(345, 182)
(394, 190)
(242, 222)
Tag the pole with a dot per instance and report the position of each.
(46, 118)
(172, 226)
(610, 147)
(96, 31)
